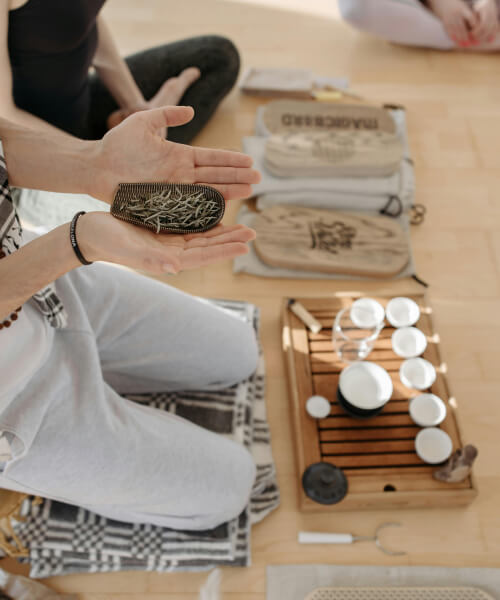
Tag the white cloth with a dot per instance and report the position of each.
(341, 193)
(24, 347)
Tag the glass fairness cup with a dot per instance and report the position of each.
(353, 343)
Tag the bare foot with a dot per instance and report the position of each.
(174, 88)
(487, 25)
(169, 94)
(458, 19)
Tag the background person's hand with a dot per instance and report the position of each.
(103, 237)
(169, 94)
(487, 25)
(458, 19)
(134, 152)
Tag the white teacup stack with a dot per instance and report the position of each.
(433, 445)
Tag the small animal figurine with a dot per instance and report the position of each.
(458, 466)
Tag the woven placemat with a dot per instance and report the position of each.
(296, 582)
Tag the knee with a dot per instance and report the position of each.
(243, 354)
(225, 56)
(232, 493)
(354, 12)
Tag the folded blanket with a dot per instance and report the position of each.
(65, 539)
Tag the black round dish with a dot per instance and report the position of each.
(324, 483)
(354, 411)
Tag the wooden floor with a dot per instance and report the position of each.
(453, 103)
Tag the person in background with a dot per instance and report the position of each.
(49, 46)
(73, 337)
(440, 24)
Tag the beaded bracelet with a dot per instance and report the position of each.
(72, 238)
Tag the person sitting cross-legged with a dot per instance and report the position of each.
(73, 337)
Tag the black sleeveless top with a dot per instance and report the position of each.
(51, 47)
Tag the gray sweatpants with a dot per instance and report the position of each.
(78, 441)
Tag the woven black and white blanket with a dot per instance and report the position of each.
(65, 539)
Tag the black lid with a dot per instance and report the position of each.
(324, 483)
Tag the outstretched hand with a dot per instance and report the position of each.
(103, 237)
(134, 152)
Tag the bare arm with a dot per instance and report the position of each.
(34, 266)
(132, 151)
(8, 110)
(114, 72)
(102, 237)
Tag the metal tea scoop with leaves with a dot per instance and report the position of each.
(310, 537)
(169, 207)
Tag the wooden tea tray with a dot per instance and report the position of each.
(377, 455)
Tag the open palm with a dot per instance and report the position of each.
(134, 152)
(102, 237)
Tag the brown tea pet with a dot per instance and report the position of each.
(458, 467)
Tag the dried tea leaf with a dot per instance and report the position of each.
(169, 207)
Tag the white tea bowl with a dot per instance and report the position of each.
(427, 410)
(417, 373)
(367, 313)
(402, 312)
(408, 342)
(433, 445)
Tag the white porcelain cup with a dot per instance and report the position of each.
(417, 373)
(433, 445)
(402, 312)
(427, 410)
(408, 342)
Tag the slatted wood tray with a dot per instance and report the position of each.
(377, 455)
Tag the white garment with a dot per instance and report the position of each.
(400, 21)
(78, 441)
(24, 347)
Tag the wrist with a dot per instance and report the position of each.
(85, 233)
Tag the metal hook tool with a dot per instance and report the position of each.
(310, 537)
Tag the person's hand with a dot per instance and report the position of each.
(103, 237)
(169, 94)
(458, 20)
(487, 24)
(134, 152)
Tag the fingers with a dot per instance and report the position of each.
(166, 116)
(240, 234)
(226, 175)
(217, 230)
(486, 27)
(235, 191)
(207, 157)
(200, 257)
(459, 33)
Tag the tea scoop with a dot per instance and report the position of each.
(311, 537)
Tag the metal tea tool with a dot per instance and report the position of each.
(310, 537)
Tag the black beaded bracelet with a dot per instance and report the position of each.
(72, 239)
